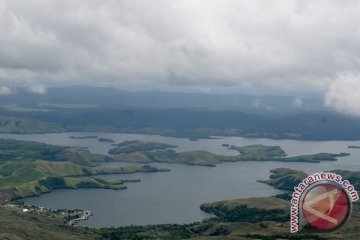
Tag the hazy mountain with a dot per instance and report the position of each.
(116, 98)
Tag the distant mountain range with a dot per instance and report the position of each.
(116, 98)
(191, 115)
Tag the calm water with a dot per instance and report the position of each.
(175, 197)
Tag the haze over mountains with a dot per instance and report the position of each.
(116, 98)
(191, 115)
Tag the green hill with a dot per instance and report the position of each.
(287, 179)
(15, 225)
(30, 168)
(138, 146)
(250, 210)
(10, 124)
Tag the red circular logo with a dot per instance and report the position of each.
(326, 207)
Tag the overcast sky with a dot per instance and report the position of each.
(274, 45)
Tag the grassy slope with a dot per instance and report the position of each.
(202, 158)
(272, 229)
(256, 202)
(250, 210)
(32, 226)
(22, 174)
(29, 151)
(287, 179)
(24, 125)
(38, 177)
(138, 146)
(15, 225)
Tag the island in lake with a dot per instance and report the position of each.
(351, 146)
(83, 137)
(147, 152)
(138, 146)
(106, 140)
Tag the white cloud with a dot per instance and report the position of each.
(36, 88)
(277, 44)
(283, 45)
(5, 90)
(344, 94)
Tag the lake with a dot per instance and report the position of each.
(175, 196)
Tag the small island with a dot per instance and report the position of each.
(351, 146)
(138, 146)
(83, 137)
(106, 140)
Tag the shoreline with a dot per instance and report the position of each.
(70, 216)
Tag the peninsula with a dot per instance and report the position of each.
(31, 168)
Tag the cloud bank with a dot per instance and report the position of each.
(286, 45)
(344, 94)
